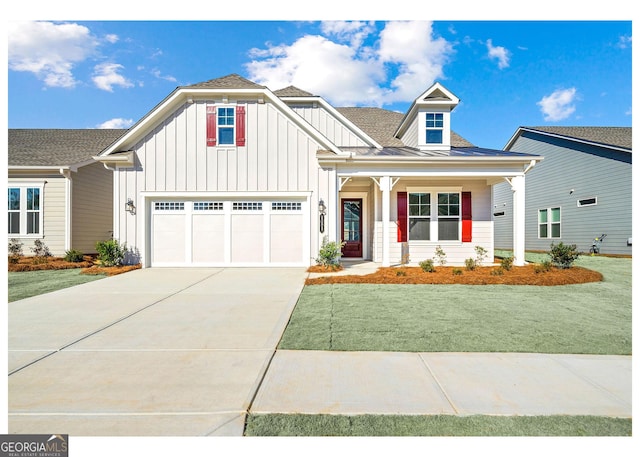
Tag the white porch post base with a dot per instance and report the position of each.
(517, 186)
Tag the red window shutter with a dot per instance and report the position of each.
(466, 217)
(240, 125)
(212, 132)
(402, 217)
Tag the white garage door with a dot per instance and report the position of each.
(228, 232)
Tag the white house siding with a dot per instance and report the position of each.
(92, 207)
(328, 125)
(53, 207)
(457, 252)
(173, 159)
(411, 136)
(593, 173)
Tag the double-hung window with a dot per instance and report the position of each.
(448, 216)
(24, 211)
(549, 223)
(433, 215)
(419, 216)
(435, 124)
(226, 125)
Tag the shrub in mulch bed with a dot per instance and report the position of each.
(109, 271)
(525, 275)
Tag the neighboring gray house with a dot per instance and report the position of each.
(56, 192)
(580, 190)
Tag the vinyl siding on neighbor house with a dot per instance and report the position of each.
(278, 157)
(92, 207)
(587, 170)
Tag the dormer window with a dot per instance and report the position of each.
(435, 124)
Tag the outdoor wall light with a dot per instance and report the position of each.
(130, 207)
(322, 208)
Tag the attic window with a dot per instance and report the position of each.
(435, 123)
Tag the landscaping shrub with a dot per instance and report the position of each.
(111, 252)
(563, 255)
(441, 256)
(73, 255)
(481, 254)
(543, 267)
(506, 263)
(401, 273)
(15, 250)
(497, 272)
(427, 266)
(40, 249)
(330, 253)
(470, 264)
(456, 272)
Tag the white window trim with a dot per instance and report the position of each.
(433, 225)
(549, 223)
(23, 186)
(218, 126)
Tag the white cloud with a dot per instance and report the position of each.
(405, 61)
(116, 123)
(112, 38)
(159, 75)
(498, 53)
(624, 41)
(106, 76)
(559, 105)
(49, 50)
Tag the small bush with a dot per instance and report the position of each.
(456, 272)
(543, 267)
(470, 264)
(563, 255)
(329, 253)
(441, 256)
(401, 273)
(110, 252)
(497, 272)
(15, 250)
(427, 266)
(481, 255)
(73, 255)
(40, 249)
(506, 263)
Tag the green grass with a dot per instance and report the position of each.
(593, 318)
(375, 425)
(30, 283)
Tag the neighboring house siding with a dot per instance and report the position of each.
(328, 125)
(53, 208)
(278, 156)
(589, 171)
(92, 204)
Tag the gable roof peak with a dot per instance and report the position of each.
(292, 91)
(232, 81)
(438, 94)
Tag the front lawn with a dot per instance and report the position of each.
(29, 283)
(592, 318)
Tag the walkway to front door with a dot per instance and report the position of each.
(352, 227)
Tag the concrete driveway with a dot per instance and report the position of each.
(156, 352)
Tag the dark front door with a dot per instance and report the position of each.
(352, 227)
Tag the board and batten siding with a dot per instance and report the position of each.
(327, 124)
(92, 207)
(570, 172)
(278, 157)
(53, 209)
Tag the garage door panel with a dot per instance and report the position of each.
(169, 239)
(208, 234)
(286, 238)
(247, 238)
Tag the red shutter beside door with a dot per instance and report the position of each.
(466, 217)
(402, 217)
(240, 125)
(211, 126)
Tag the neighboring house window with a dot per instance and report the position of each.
(549, 223)
(435, 124)
(25, 210)
(448, 216)
(226, 125)
(419, 216)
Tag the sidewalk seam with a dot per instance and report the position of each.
(435, 378)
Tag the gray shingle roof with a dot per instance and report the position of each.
(380, 124)
(232, 81)
(57, 147)
(413, 152)
(612, 136)
(292, 91)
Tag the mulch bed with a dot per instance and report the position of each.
(88, 265)
(525, 275)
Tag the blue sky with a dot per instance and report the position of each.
(95, 74)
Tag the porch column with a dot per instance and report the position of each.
(517, 186)
(385, 188)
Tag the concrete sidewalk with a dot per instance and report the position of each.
(352, 383)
